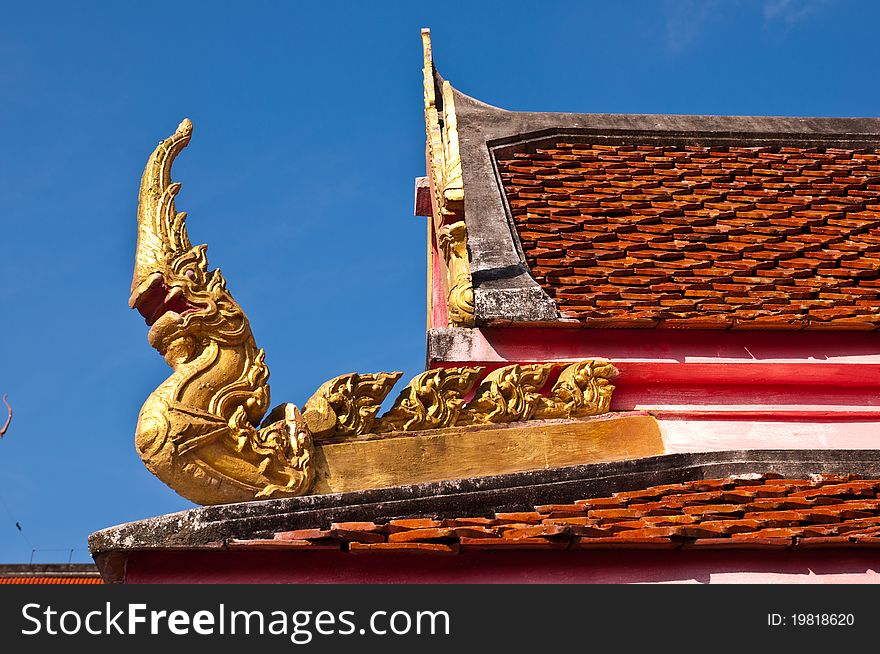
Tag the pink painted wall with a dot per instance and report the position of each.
(437, 313)
(643, 566)
(839, 353)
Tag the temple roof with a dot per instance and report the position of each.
(54, 573)
(603, 220)
(768, 499)
(639, 234)
(513, 442)
(763, 511)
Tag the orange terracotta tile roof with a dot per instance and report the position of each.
(652, 235)
(49, 573)
(51, 580)
(741, 512)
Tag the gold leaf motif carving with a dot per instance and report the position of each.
(347, 405)
(452, 240)
(508, 394)
(289, 435)
(583, 389)
(431, 400)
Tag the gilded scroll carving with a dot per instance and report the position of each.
(583, 389)
(198, 430)
(431, 400)
(508, 394)
(452, 240)
(348, 404)
(447, 183)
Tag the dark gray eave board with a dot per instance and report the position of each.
(504, 290)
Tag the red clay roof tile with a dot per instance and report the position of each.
(408, 548)
(741, 512)
(655, 236)
(28, 580)
(281, 544)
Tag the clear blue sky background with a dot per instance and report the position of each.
(308, 134)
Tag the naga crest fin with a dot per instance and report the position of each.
(161, 229)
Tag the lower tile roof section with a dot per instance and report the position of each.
(59, 573)
(36, 581)
(749, 511)
(701, 236)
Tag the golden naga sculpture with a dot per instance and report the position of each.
(201, 433)
(198, 432)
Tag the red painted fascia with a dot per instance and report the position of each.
(557, 567)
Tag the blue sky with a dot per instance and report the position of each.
(308, 134)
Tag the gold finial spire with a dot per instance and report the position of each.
(447, 184)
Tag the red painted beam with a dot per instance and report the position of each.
(557, 567)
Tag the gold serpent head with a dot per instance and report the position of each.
(172, 288)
